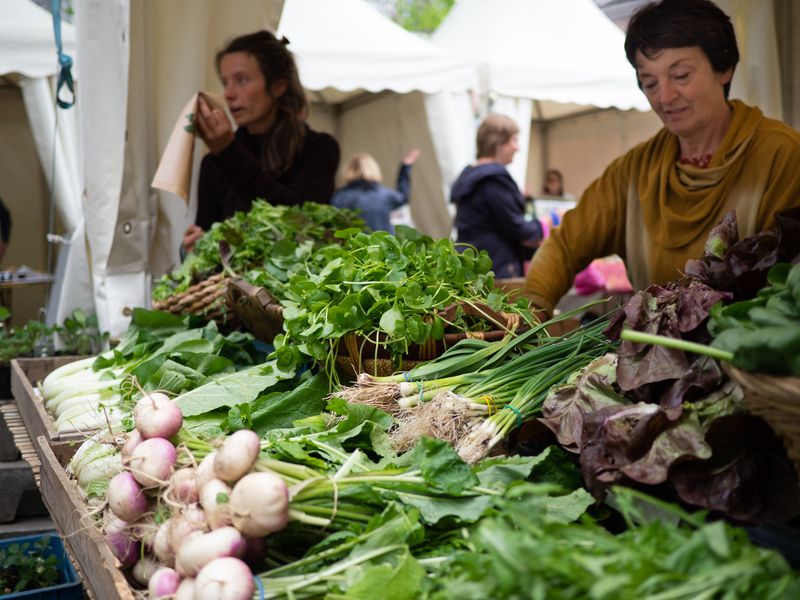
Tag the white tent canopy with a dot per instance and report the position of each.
(541, 60)
(27, 45)
(348, 45)
(566, 51)
(28, 57)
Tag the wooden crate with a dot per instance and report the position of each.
(26, 373)
(93, 559)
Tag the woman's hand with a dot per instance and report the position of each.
(411, 157)
(213, 126)
(192, 234)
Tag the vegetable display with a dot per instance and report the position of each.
(663, 411)
(391, 291)
(264, 245)
(217, 472)
(159, 351)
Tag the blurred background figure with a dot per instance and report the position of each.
(553, 183)
(5, 229)
(490, 208)
(363, 190)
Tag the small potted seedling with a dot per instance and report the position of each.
(37, 566)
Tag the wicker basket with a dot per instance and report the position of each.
(257, 308)
(777, 401)
(206, 298)
(357, 354)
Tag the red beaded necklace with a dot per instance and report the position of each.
(701, 162)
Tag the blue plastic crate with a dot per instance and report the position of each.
(70, 587)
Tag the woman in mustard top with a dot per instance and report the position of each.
(655, 205)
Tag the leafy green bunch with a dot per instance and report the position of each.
(27, 566)
(763, 333)
(392, 290)
(262, 245)
(528, 551)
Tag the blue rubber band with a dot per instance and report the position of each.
(519, 414)
(260, 586)
(407, 376)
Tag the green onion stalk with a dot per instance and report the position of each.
(554, 363)
(640, 337)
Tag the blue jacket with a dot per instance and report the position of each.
(375, 201)
(490, 215)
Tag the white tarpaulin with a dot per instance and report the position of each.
(27, 44)
(349, 48)
(560, 55)
(28, 56)
(348, 45)
(565, 51)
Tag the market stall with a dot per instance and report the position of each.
(314, 410)
(398, 434)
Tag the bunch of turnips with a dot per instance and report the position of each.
(187, 531)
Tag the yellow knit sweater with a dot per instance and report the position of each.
(656, 213)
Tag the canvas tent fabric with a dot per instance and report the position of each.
(28, 58)
(347, 45)
(543, 59)
(566, 51)
(350, 57)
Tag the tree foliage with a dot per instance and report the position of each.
(421, 16)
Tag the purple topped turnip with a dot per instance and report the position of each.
(152, 461)
(156, 415)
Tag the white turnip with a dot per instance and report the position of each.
(225, 579)
(197, 551)
(164, 582)
(152, 461)
(161, 546)
(118, 537)
(191, 520)
(205, 471)
(237, 455)
(125, 498)
(143, 570)
(157, 416)
(259, 504)
(215, 498)
(183, 487)
(185, 589)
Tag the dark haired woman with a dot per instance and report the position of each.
(273, 154)
(655, 205)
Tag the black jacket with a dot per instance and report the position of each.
(490, 215)
(231, 180)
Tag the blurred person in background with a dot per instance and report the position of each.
(363, 190)
(553, 183)
(490, 208)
